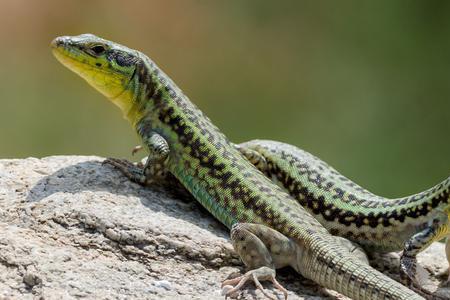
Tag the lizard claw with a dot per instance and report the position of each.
(122, 165)
(117, 162)
(231, 286)
(136, 149)
(130, 170)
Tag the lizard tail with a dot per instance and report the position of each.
(438, 195)
(324, 262)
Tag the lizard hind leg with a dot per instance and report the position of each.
(262, 250)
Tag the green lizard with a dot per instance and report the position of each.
(377, 224)
(269, 229)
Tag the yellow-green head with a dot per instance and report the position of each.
(107, 66)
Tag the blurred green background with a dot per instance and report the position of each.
(365, 85)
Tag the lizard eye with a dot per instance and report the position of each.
(98, 49)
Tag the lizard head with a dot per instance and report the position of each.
(107, 66)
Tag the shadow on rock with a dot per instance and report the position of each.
(93, 176)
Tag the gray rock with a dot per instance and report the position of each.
(70, 228)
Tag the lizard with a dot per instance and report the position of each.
(268, 228)
(346, 209)
(288, 165)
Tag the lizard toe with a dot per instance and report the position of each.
(231, 286)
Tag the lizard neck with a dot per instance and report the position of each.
(139, 92)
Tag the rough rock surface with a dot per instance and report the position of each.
(72, 228)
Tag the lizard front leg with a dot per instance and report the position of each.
(154, 171)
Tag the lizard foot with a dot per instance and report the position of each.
(130, 170)
(231, 286)
(135, 172)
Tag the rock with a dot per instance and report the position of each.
(31, 278)
(164, 284)
(70, 227)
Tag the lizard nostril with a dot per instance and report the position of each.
(59, 41)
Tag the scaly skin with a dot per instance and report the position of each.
(269, 229)
(377, 224)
